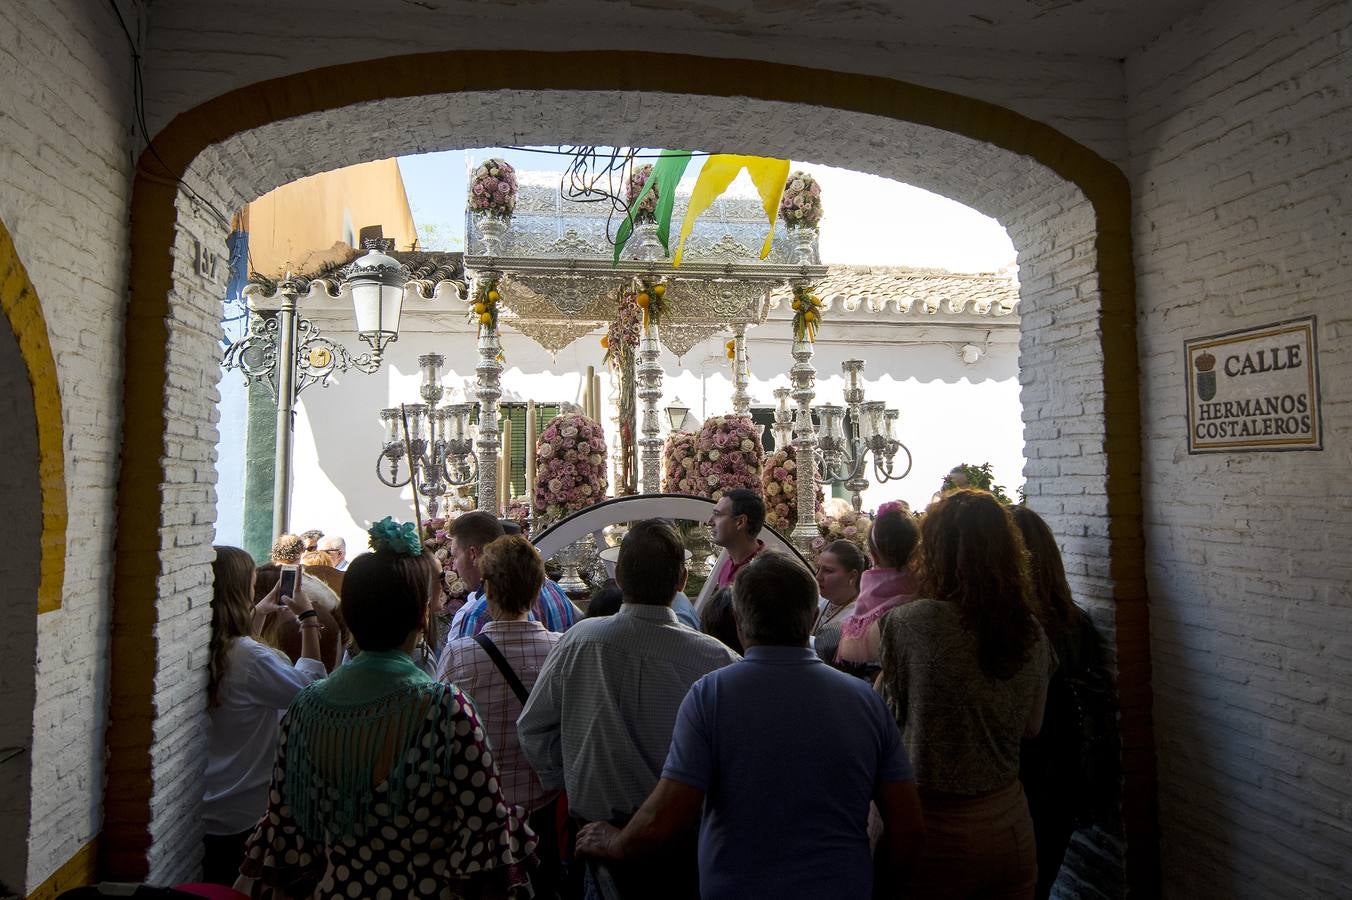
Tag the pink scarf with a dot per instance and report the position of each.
(879, 591)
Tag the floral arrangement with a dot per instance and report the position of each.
(638, 177)
(728, 455)
(779, 485)
(678, 464)
(651, 298)
(518, 511)
(800, 206)
(807, 313)
(438, 541)
(624, 332)
(401, 538)
(484, 310)
(847, 526)
(570, 464)
(492, 188)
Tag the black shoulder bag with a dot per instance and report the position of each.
(503, 666)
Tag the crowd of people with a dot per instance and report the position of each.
(909, 722)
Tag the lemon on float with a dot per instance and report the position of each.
(479, 307)
(485, 318)
(493, 296)
(732, 354)
(815, 300)
(643, 300)
(732, 344)
(797, 305)
(605, 341)
(659, 289)
(812, 315)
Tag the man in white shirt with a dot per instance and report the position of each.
(336, 548)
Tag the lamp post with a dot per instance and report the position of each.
(650, 391)
(287, 351)
(677, 414)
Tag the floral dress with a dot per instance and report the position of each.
(437, 825)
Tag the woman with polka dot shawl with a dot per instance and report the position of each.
(385, 785)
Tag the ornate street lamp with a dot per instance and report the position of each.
(677, 414)
(286, 350)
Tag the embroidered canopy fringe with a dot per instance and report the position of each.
(351, 735)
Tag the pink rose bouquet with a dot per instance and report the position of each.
(848, 526)
(728, 455)
(570, 466)
(800, 206)
(439, 543)
(779, 486)
(638, 177)
(492, 188)
(678, 465)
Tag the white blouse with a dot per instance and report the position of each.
(258, 686)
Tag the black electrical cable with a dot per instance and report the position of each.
(139, 115)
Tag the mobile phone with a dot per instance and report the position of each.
(290, 581)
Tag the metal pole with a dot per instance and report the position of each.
(650, 391)
(804, 377)
(286, 401)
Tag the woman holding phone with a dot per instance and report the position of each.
(248, 687)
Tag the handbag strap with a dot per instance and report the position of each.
(504, 667)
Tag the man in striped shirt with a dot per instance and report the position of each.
(599, 719)
(469, 534)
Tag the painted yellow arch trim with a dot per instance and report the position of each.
(19, 301)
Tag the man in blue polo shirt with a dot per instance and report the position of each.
(783, 754)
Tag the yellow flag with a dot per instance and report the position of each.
(719, 170)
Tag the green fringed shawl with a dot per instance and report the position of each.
(354, 732)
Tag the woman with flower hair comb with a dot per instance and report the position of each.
(385, 784)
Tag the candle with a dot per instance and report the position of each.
(505, 467)
(530, 451)
(587, 392)
(596, 397)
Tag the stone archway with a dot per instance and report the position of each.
(32, 531)
(1066, 209)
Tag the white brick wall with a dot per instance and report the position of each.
(64, 184)
(1239, 126)
(1050, 221)
(194, 47)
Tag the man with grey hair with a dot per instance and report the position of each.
(599, 717)
(336, 548)
(783, 755)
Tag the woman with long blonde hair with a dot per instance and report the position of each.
(964, 670)
(248, 686)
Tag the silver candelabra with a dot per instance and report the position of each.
(844, 455)
(430, 445)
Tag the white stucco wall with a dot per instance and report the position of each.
(951, 412)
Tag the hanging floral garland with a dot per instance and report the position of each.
(807, 315)
(651, 297)
(484, 310)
